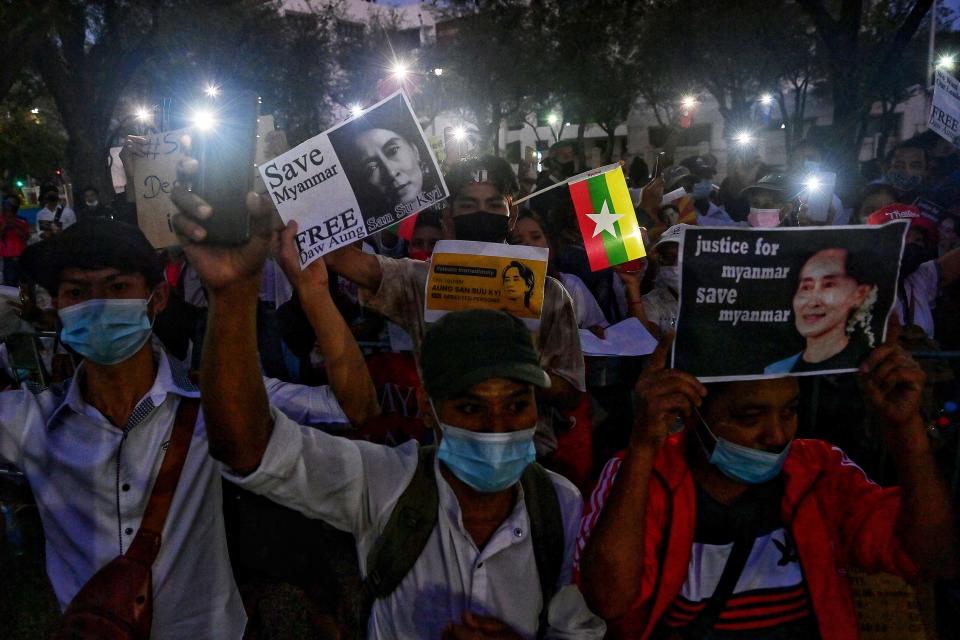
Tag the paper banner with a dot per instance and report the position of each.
(484, 275)
(356, 179)
(764, 303)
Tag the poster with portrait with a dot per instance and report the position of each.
(355, 179)
(764, 303)
(485, 275)
(154, 172)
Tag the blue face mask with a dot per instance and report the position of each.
(106, 331)
(487, 462)
(702, 189)
(744, 464)
(903, 182)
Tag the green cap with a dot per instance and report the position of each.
(467, 347)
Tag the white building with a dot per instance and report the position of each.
(415, 25)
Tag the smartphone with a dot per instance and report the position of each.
(227, 151)
(819, 188)
(658, 164)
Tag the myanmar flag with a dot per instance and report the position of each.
(607, 220)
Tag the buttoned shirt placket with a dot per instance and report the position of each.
(140, 413)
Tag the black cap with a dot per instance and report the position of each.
(770, 182)
(97, 243)
(464, 348)
(491, 169)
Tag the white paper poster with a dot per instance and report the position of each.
(355, 179)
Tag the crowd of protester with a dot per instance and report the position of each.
(474, 479)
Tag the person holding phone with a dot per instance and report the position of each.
(91, 447)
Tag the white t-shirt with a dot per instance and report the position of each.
(584, 303)
(67, 218)
(922, 287)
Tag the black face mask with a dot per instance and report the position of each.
(567, 169)
(481, 227)
(913, 256)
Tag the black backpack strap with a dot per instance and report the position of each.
(546, 529)
(403, 538)
(415, 516)
(58, 214)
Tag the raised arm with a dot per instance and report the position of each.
(893, 383)
(611, 566)
(235, 406)
(362, 269)
(346, 369)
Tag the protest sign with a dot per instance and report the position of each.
(485, 275)
(154, 172)
(608, 222)
(945, 107)
(763, 303)
(355, 179)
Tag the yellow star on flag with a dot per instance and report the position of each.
(604, 221)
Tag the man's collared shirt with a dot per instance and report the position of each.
(355, 485)
(92, 482)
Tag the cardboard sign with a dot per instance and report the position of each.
(485, 275)
(945, 108)
(765, 303)
(890, 609)
(355, 179)
(154, 172)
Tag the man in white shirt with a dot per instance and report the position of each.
(54, 217)
(478, 572)
(91, 448)
(923, 275)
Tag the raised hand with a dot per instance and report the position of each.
(892, 380)
(314, 276)
(220, 266)
(662, 395)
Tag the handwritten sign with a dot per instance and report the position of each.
(154, 172)
(355, 179)
(485, 275)
(945, 108)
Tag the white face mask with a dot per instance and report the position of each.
(763, 217)
(668, 278)
(93, 203)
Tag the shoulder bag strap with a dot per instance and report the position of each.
(546, 532)
(403, 538)
(146, 544)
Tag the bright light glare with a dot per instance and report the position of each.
(552, 119)
(766, 99)
(203, 119)
(438, 72)
(688, 102)
(947, 62)
(400, 70)
(459, 134)
(142, 114)
(744, 138)
(812, 183)
(356, 110)
(212, 91)
(35, 110)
